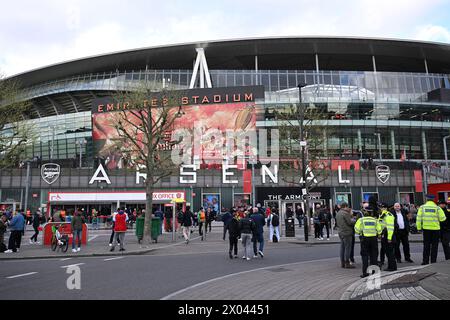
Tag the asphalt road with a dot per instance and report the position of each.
(151, 276)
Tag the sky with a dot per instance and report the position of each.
(35, 34)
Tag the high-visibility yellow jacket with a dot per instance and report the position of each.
(367, 227)
(429, 215)
(387, 221)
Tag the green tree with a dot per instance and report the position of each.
(15, 133)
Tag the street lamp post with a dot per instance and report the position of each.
(81, 143)
(301, 111)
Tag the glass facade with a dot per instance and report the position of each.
(58, 137)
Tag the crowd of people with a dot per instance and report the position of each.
(391, 226)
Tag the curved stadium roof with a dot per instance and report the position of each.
(283, 53)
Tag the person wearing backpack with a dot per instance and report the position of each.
(201, 218)
(274, 225)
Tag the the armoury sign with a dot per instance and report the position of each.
(185, 98)
(50, 172)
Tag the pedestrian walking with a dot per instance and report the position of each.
(429, 217)
(368, 229)
(159, 214)
(258, 234)
(273, 222)
(111, 238)
(17, 224)
(3, 227)
(120, 228)
(226, 218)
(201, 217)
(445, 230)
(324, 222)
(316, 222)
(36, 223)
(386, 221)
(234, 233)
(77, 229)
(345, 224)
(186, 224)
(246, 227)
(209, 219)
(401, 233)
(299, 215)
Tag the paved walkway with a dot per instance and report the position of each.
(323, 280)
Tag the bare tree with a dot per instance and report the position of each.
(15, 133)
(303, 124)
(144, 129)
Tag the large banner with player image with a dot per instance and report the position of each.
(202, 112)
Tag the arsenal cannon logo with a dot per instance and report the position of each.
(383, 173)
(50, 172)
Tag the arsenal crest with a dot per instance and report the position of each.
(50, 172)
(383, 173)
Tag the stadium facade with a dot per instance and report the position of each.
(388, 102)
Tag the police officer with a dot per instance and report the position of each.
(428, 217)
(368, 229)
(386, 222)
(445, 230)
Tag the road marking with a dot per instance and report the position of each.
(117, 258)
(73, 265)
(65, 259)
(92, 238)
(21, 275)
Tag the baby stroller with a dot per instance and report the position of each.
(60, 238)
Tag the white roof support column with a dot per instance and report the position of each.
(200, 63)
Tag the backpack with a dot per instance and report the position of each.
(180, 217)
(275, 220)
(202, 216)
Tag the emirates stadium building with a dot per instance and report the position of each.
(388, 102)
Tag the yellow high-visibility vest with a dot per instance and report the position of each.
(387, 221)
(429, 215)
(367, 227)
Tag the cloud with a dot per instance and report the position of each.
(433, 33)
(50, 31)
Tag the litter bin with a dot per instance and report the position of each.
(290, 227)
(155, 229)
(140, 228)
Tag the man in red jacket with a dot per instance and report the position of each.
(120, 227)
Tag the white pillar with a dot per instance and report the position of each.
(393, 144)
(424, 145)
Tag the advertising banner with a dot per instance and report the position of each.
(234, 112)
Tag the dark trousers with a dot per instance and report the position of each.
(369, 252)
(35, 235)
(200, 227)
(225, 229)
(258, 238)
(317, 230)
(387, 249)
(208, 223)
(14, 240)
(110, 239)
(233, 244)
(352, 250)
(430, 245)
(401, 237)
(300, 219)
(445, 239)
(324, 226)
